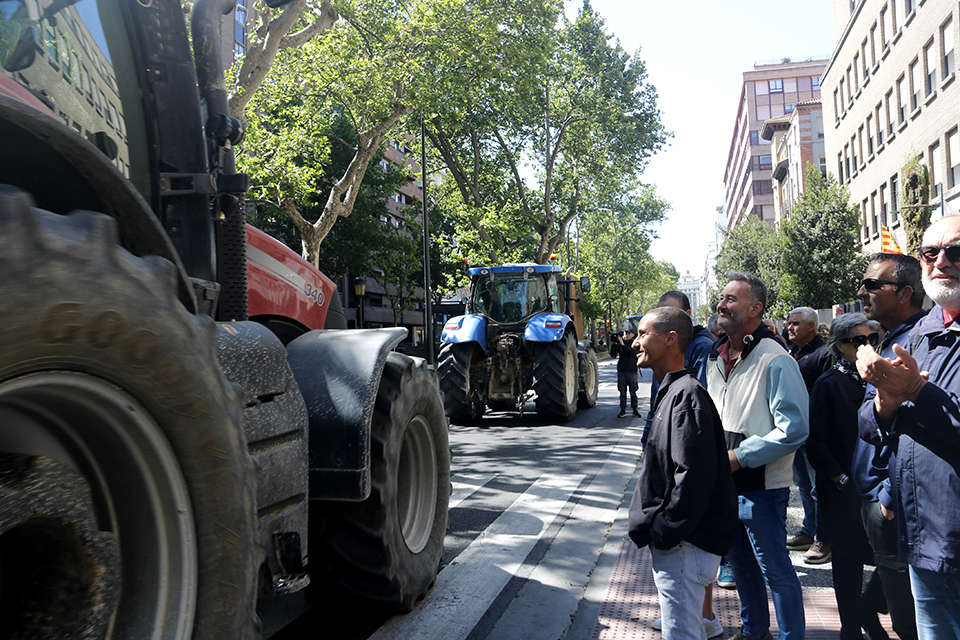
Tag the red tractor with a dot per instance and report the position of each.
(187, 425)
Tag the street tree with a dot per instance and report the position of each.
(753, 246)
(379, 62)
(532, 158)
(822, 260)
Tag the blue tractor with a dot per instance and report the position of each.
(521, 337)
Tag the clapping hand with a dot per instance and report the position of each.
(896, 380)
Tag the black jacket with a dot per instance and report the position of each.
(834, 430)
(627, 355)
(814, 359)
(685, 491)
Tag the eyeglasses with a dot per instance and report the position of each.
(861, 340)
(930, 253)
(872, 284)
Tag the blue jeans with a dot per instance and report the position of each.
(937, 596)
(803, 477)
(680, 574)
(760, 553)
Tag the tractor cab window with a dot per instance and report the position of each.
(508, 299)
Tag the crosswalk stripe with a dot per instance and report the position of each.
(465, 485)
(466, 587)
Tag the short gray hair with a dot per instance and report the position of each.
(754, 284)
(807, 313)
(840, 329)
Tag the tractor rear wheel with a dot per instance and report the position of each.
(462, 382)
(555, 378)
(387, 549)
(590, 372)
(127, 504)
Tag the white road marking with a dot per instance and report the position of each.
(465, 485)
(466, 588)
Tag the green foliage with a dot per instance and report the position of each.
(822, 261)
(915, 181)
(753, 246)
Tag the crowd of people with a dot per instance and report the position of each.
(864, 418)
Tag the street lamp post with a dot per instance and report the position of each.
(360, 290)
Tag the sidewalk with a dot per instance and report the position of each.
(621, 600)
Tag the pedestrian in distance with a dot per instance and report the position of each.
(627, 380)
(684, 507)
(764, 405)
(915, 408)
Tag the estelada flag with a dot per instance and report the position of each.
(887, 243)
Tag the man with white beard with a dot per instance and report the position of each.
(916, 409)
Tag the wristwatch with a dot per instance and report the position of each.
(842, 482)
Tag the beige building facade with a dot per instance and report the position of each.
(796, 142)
(890, 95)
(768, 91)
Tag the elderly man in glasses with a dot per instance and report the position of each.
(892, 294)
(916, 408)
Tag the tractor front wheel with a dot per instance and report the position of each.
(555, 379)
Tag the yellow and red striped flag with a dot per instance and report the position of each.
(887, 243)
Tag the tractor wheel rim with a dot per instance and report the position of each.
(417, 484)
(139, 498)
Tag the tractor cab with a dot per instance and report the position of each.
(513, 296)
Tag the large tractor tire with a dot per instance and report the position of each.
(387, 549)
(127, 504)
(462, 381)
(590, 378)
(555, 379)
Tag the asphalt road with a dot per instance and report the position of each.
(532, 508)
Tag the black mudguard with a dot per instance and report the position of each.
(338, 373)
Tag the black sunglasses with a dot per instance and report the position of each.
(930, 253)
(861, 340)
(872, 284)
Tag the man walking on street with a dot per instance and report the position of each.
(684, 506)
(763, 403)
(813, 357)
(892, 294)
(620, 348)
(915, 408)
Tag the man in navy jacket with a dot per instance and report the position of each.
(916, 409)
(684, 507)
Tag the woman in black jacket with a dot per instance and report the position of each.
(834, 402)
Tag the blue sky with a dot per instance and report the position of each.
(696, 52)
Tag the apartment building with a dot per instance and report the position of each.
(690, 285)
(768, 91)
(796, 141)
(891, 97)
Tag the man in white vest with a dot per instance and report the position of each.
(763, 403)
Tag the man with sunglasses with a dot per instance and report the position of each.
(892, 294)
(916, 409)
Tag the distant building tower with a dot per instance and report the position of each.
(690, 285)
(769, 91)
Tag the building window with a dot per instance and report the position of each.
(762, 187)
(822, 164)
(239, 29)
(836, 104)
(930, 62)
(775, 86)
(887, 26)
(866, 65)
(873, 44)
(946, 37)
(766, 162)
(874, 214)
(916, 83)
(883, 205)
(840, 168)
(853, 147)
(907, 7)
(936, 179)
(870, 135)
(879, 113)
(754, 138)
(894, 200)
(846, 161)
(788, 108)
(902, 100)
(953, 157)
(815, 83)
